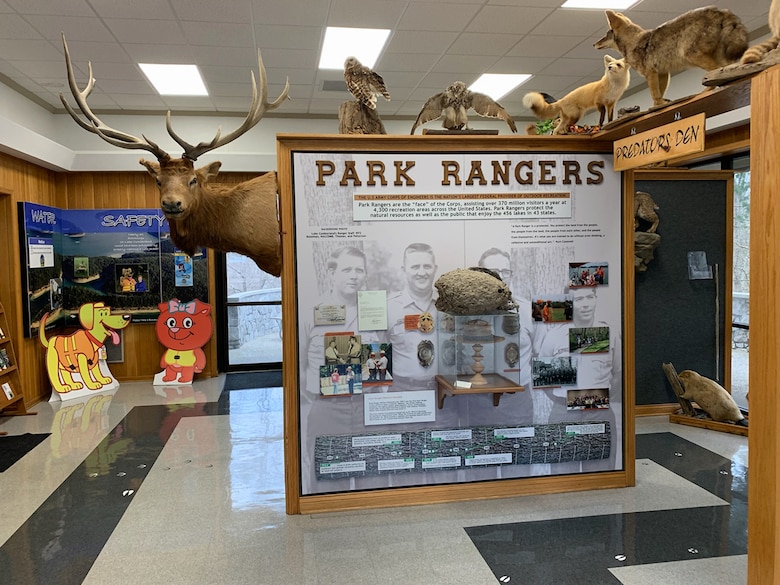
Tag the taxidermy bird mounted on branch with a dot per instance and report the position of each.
(239, 218)
(361, 117)
(453, 105)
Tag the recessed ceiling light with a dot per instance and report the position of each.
(601, 4)
(174, 79)
(497, 85)
(363, 43)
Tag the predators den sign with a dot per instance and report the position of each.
(666, 142)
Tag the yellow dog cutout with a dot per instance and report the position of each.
(78, 353)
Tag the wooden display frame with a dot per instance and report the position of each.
(287, 144)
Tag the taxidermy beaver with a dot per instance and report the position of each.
(711, 397)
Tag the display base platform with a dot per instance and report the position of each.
(429, 132)
(496, 385)
(704, 423)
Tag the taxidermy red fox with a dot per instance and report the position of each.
(602, 95)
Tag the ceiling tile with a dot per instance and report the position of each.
(568, 67)
(288, 37)
(366, 13)
(156, 53)
(98, 53)
(210, 11)
(572, 23)
(29, 50)
(483, 44)
(417, 42)
(75, 28)
(58, 8)
(552, 84)
(415, 62)
(507, 19)
(43, 69)
(218, 34)
(141, 9)
(430, 16)
(469, 65)
(13, 26)
(544, 46)
(521, 64)
(308, 13)
(159, 32)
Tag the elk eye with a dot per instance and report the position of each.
(159, 183)
(193, 181)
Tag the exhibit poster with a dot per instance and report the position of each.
(121, 257)
(538, 387)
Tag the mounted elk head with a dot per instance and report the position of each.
(242, 218)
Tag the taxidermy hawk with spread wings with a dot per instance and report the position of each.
(454, 103)
(364, 83)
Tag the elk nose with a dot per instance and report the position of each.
(171, 206)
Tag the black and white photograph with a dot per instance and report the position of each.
(554, 372)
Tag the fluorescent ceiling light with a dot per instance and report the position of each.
(174, 79)
(600, 4)
(363, 43)
(497, 85)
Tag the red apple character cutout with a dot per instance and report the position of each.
(183, 328)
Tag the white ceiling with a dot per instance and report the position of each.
(432, 44)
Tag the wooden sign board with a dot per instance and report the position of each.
(666, 142)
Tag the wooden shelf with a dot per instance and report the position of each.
(496, 385)
(13, 406)
(8, 370)
(712, 102)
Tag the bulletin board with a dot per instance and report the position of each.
(369, 224)
(122, 257)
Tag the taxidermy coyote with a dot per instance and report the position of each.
(756, 53)
(706, 37)
(602, 95)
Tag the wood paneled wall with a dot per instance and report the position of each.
(22, 181)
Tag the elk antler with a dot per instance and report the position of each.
(95, 125)
(123, 140)
(256, 111)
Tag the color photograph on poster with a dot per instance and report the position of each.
(523, 215)
(588, 274)
(183, 265)
(553, 309)
(588, 339)
(591, 399)
(341, 380)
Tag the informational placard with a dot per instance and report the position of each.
(681, 137)
(121, 257)
(373, 230)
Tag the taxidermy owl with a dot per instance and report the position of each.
(364, 83)
(454, 103)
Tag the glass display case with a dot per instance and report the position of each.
(478, 354)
